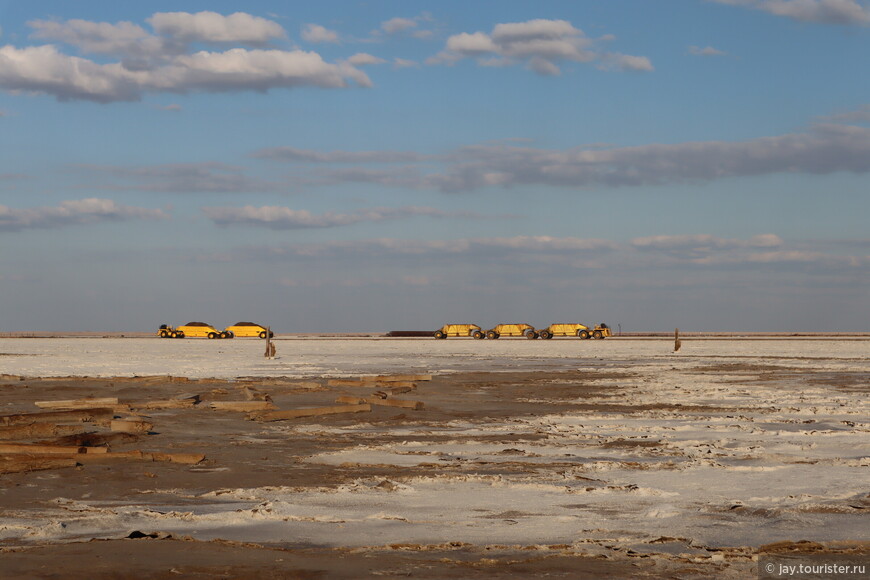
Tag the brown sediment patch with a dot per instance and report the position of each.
(164, 557)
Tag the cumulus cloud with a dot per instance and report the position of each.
(211, 27)
(541, 45)
(317, 33)
(860, 115)
(73, 212)
(820, 11)
(706, 51)
(405, 26)
(396, 25)
(362, 59)
(122, 38)
(285, 218)
(163, 62)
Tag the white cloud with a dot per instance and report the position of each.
(820, 11)
(396, 25)
(316, 33)
(542, 45)
(823, 149)
(706, 51)
(211, 27)
(285, 218)
(149, 63)
(362, 59)
(626, 62)
(404, 63)
(73, 212)
(122, 38)
(44, 70)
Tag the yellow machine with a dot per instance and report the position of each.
(573, 329)
(578, 330)
(201, 330)
(526, 330)
(247, 329)
(471, 330)
(600, 331)
(166, 331)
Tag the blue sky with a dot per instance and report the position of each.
(368, 166)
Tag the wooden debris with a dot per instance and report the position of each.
(98, 415)
(24, 463)
(242, 406)
(38, 430)
(36, 449)
(350, 400)
(184, 396)
(255, 395)
(348, 383)
(161, 405)
(136, 455)
(78, 404)
(130, 426)
(306, 385)
(403, 403)
(312, 412)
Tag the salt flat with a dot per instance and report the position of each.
(609, 448)
(199, 358)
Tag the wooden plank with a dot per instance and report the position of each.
(23, 463)
(36, 449)
(99, 415)
(348, 383)
(350, 400)
(38, 430)
(130, 426)
(403, 403)
(242, 406)
(161, 405)
(136, 455)
(70, 404)
(313, 412)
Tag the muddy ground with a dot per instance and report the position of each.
(241, 453)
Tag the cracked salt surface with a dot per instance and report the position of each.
(734, 464)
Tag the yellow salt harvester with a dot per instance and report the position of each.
(471, 330)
